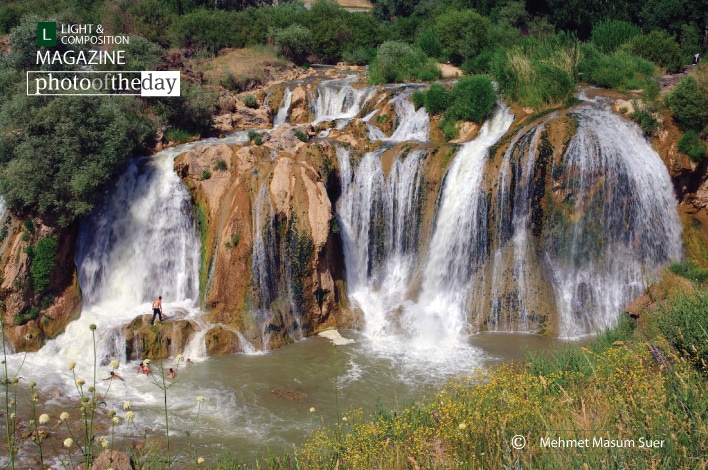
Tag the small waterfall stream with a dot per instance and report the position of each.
(338, 100)
(284, 109)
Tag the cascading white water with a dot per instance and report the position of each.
(139, 244)
(511, 229)
(629, 228)
(338, 100)
(412, 125)
(459, 242)
(284, 109)
(378, 222)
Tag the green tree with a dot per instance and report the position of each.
(294, 42)
(23, 45)
(56, 154)
(660, 48)
(429, 42)
(462, 33)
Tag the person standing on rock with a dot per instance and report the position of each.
(156, 309)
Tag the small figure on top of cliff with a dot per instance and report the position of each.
(114, 376)
(156, 309)
(696, 58)
(171, 373)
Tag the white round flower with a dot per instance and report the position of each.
(43, 418)
(68, 442)
(70, 365)
(63, 416)
(200, 461)
(114, 364)
(129, 415)
(312, 409)
(115, 420)
(80, 382)
(127, 405)
(200, 399)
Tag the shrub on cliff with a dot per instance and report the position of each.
(474, 98)
(437, 99)
(689, 103)
(619, 70)
(43, 262)
(690, 144)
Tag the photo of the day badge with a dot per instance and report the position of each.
(99, 83)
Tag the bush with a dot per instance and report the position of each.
(360, 56)
(610, 34)
(397, 61)
(255, 137)
(220, 165)
(437, 99)
(647, 122)
(43, 262)
(394, 62)
(659, 47)
(250, 101)
(243, 81)
(301, 136)
(59, 152)
(418, 99)
(294, 42)
(429, 42)
(538, 72)
(448, 128)
(206, 174)
(689, 103)
(474, 98)
(620, 70)
(690, 144)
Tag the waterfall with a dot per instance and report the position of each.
(338, 100)
(273, 280)
(282, 114)
(623, 226)
(378, 217)
(412, 124)
(460, 240)
(141, 242)
(510, 288)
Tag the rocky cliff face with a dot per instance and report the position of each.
(271, 268)
(31, 315)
